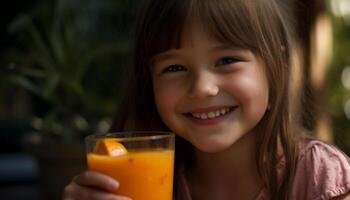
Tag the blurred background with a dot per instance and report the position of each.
(63, 64)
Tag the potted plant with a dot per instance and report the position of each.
(74, 78)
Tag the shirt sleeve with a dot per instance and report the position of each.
(323, 172)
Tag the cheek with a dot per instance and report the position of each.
(165, 98)
(163, 103)
(254, 95)
(160, 98)
(166, 101)
(168, 93)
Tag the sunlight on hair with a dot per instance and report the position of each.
(296, 79)
(321, 54)
(324, 128)
(345, 77)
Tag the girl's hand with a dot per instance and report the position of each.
(91, 185)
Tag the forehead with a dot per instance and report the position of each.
(195, 33)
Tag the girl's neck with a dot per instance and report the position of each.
(231, 171)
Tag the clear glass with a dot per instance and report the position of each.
(142, 162)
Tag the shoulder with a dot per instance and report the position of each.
(320, 152)
(323, 171)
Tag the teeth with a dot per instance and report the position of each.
(211, 115)
(197, 115)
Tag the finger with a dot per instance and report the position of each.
(96, 179)
(77, 192)
(69, 191)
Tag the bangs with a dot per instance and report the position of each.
(227, 21)
(161, 28)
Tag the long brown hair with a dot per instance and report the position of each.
(257, 25)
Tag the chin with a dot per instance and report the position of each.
(211, 146)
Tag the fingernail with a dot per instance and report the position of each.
(113, 185)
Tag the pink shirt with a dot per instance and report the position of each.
(322, 173)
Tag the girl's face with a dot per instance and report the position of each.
(208, 92)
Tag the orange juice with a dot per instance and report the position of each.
(146, 175)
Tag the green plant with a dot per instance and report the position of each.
(75, 76)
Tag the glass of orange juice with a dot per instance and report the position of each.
(142, 162)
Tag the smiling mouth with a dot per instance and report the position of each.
(212, 114)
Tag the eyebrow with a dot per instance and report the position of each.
(172, 53)
(164, 56)
(225, 47)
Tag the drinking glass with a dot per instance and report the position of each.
(142, 162)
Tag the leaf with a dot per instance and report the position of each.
(75, 87)
(57, 46)
(26, 84)
(86, 60)
(44, 63)
(35, 73)
(50, 87)
(18, 24)
(43, 50)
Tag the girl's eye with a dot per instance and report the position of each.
(227, 61)
(174, 68)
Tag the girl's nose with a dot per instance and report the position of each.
(203, 85)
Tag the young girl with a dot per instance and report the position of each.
(217, 74)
